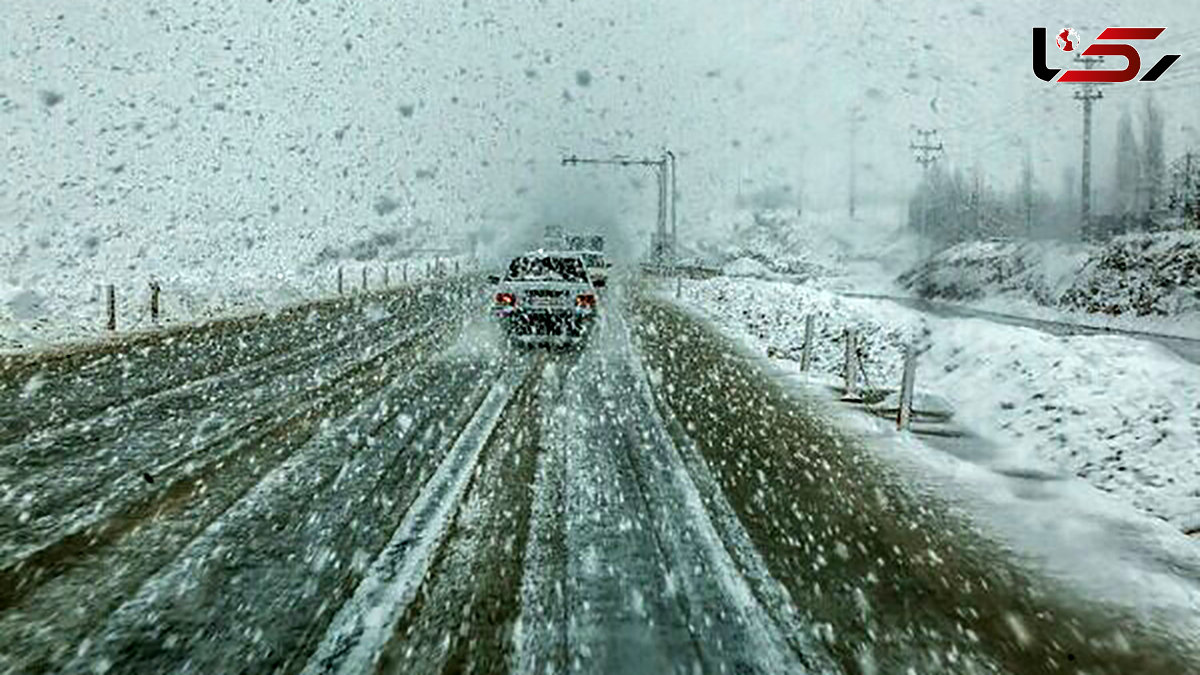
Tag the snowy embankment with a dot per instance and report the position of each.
(1141, 281)
(1120, 413)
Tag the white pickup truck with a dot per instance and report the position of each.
(545, 295)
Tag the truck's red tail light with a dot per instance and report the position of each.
(506, 299)
(585, 300)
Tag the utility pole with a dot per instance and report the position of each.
(1088, 93)
(674, 195)
(926, 153)
(660, 226)
(663, 245)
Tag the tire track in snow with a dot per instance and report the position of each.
(122, 510)
(74, 485)
(89, 380)
(363, 626)
(540, 633)
(247, 376)
(251, 550)
(648, 578)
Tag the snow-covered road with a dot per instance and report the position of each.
(381, 485)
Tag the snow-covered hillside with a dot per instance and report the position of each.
(1144, 281)
(1143, 275)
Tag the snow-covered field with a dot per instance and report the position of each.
(1120, 413)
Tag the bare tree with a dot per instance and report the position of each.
(1153, 160)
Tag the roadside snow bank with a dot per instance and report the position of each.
(747, 267)
(770, 315)
(1121, 413)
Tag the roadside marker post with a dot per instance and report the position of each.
(364, 275)
(904, 414)
(404, 273)
(387, 282)
(155, 292)
(806, 355)
(341, 290)
(851, 366)
(112, 307)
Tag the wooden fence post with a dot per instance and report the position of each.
(904, 414)
(155, 291)
(112, 307)
(806, 355)
(850, 372)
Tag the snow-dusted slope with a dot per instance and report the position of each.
(1139, 281)
(1039, 271)
(1141, 275)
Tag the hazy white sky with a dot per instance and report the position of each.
(289, 120)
